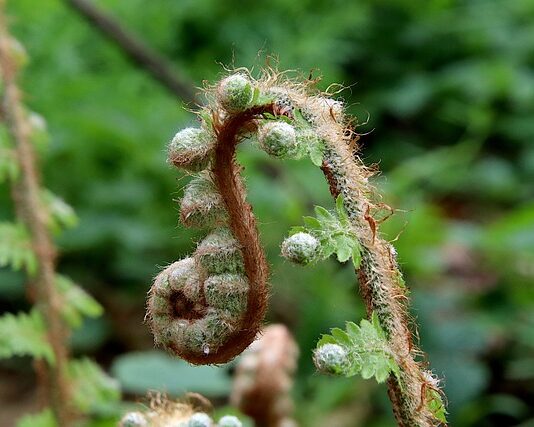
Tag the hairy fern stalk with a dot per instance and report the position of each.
(210, 307)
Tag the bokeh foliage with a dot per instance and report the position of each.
(445, 91)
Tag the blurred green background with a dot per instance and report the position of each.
(444, 91)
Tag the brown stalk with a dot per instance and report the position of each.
(242, 223)
(380, 289)
(29, 209)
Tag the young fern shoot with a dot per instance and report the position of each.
(209, 307)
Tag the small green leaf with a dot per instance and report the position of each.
(297, 229)
(24, 334)
(326, 339)
(76, 302)
(353, 330)
(16, 248)
(436, 406)
(368, 371)
(343, 247)
(94, 391)
(382, 373)
(316, 154)
(368, 350)
(9, 167)
(62, 216)
(341, 337)
(285, 119)
(206, 117)
(328, 247)
(322, 214)
(341, 212)
(42, 419)
(356, 255)
(312, 223)
(255, 96)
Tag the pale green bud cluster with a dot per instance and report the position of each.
(191, 149)
(235, 93)
(301, 248)
(229, 421)
(202, 205)
(133, 419)
(279, 139)
(331, 359)
(219, 252)
(200, 419)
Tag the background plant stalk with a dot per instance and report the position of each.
(30, 210)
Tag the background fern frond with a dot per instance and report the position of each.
(16, 249)
(24, 334)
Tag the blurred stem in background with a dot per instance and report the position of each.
(136, 49)
(31, 212)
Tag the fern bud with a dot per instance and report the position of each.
(133, 419)
(219, 253)
(330, 359)
(190, 149)
(279, 139)
(208, 333)
(229, 421)
(235, 93)
(181, 276)
(301, 248)
(200, 419)
(202, 205)
(227, 291)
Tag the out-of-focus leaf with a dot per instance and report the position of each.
(61, 215)
(24, 334)
(42, 419)
(76, 302)
(94, 391)
(154, 370)
(16, 248)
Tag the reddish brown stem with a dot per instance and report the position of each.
(243, 226)
(26, 192)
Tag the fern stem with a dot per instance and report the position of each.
(380, 284)
(29, 209)
(243, 224)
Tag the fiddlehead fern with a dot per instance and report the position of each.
(289, 121)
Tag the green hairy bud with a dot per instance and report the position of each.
(330, 359)
(205, 335)
(219, 253)
(202, 205)
(190, 149)
(279, 139)
(227, 291)
(229, 421)
(133, 419)
(180, 276)
(200, 419)
(301, 248)
(235, 93)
